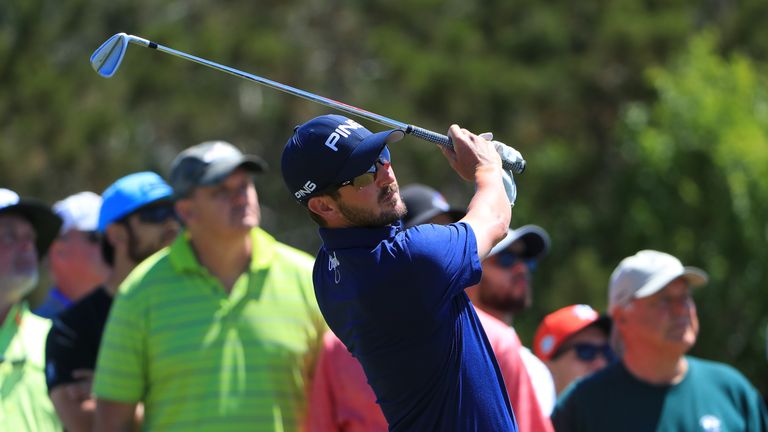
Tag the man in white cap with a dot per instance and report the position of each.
(74, 259)
(655, 385)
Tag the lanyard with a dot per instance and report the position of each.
(10, 336)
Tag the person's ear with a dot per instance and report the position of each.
(116, 234)
(184, 210)
(323, 206)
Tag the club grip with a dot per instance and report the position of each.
(516, 166)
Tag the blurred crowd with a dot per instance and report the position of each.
(171, 309)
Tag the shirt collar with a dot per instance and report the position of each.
(183, 258)
(355, 237)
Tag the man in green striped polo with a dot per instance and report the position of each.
(218, 331)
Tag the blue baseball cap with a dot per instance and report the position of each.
(130, 193)
(329, 150)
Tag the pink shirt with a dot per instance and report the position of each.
(342, 401)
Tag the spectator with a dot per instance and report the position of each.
(216, 332)
(396, 298)
(573, 342)
(136, 220)
(655, 385)
(341, 399)
(27, 228)
(74, 259)
(505, 291)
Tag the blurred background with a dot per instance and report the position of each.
(644, 123)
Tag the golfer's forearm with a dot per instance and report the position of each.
(489, 211)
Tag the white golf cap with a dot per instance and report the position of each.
(79, 212)
(646, 273)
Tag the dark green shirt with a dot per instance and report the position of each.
(712, 397)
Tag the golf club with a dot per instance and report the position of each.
(107, 58)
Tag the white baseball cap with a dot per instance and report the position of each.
(646, 273)
(79, 212)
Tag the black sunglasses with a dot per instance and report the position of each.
(506, 259)
(156, 214)
(588, 352)
(369, 176)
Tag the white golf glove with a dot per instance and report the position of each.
(507, 153)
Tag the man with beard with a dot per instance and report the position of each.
(136, 220)
(505, 290)
(341, 399)
(395, 297)
(655, 385)
(217, 331)
(27, 228)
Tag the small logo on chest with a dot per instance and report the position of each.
(333, 265)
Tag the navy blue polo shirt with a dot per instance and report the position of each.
(396, 299)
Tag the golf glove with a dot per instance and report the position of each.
(507, 153)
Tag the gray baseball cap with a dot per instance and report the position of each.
(207, 164)
(534, 237)
(646, 273)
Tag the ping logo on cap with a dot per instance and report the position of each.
(305, 190)
(342, 130)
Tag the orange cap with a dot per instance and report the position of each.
(562, 324)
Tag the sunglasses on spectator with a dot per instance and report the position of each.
(588, 352)
(507, 259)
(156, 214)
(369, 176)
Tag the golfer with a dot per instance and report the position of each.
(396, 297)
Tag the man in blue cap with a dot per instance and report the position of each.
(136, 220)
(396, 297)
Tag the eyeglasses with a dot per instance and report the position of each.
(507, 259)
(156, 214)
(588, 352)
(369, 176)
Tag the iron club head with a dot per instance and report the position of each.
(106, 59)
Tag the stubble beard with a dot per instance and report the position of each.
(381, 216)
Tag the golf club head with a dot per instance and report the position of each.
(106, 59)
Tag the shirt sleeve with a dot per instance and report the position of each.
(61, 354)
(120, 368)
(445, 256)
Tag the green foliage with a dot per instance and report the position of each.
(698, 158)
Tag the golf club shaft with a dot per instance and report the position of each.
(425, 134)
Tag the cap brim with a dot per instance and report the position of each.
(695, 277)
(365, 154)
(535, 238)
(45, 222)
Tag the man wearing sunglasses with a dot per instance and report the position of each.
(135, 221)
(341, 399)
(655, 385)
(218, 331)
(395, 297)
(573, 342)
(74, 259)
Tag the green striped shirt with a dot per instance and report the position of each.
(204, 360)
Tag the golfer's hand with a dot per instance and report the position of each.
(470, 153)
